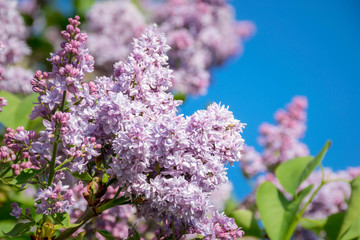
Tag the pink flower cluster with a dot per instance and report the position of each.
(108, 39)
(201, 34)
(12, 49)
(281, 142)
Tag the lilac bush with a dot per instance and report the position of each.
(122, 132)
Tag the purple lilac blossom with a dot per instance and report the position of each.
(201, 34)
(281, 142)
(149, 147)
(16, 80)
(220, 195)
(108, 39)
(13, 33)
(56, 198)
(165, 163)
(16, 212)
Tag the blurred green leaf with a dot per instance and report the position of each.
(245, 219)
(24, 109)
(20, 229)
(106, 234)
(292, 173)
(82, 6)
(230, 206)
(180, 96)
(315, 225)
(62, 218)
(82, 176)
(333, 225)
(7, 117)
(350, 227)
(17, 112)
(26, 175)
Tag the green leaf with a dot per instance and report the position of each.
(136, 235)
(82, 176)
(315, 225)
(26, 175)
(70, 225)
(245, 219)
(292, 173)
(351, 224)
(230, 206)
(20, 229)
(333, 225)
(277, 213)
(119, 201)
(16, 113)
(180, 96)
(63, 219)
(24, 109)
(7, 117)
(106, 234)
(82, 6)
(105, 178)
(80, 236)
(289, 173)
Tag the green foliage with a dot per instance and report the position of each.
(278, 214)
(62, 219)
(292, 173)
(20, 229)
(350, 227)
(82, 176)
(180, 96)
(106, 234)
(82, 6)
(17, 112)
(230, 206)
(315, 225)
(247, 221)
(333, 224)
(26, 175)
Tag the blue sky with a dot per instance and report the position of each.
(309, 48)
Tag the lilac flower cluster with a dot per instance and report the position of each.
(149, 148)
(18, 142)
(53, 199)
(12, 49)
(281, 142)
(126, 126)
(109, 40)
(16, 80)
(13, 33)
(201, 34)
